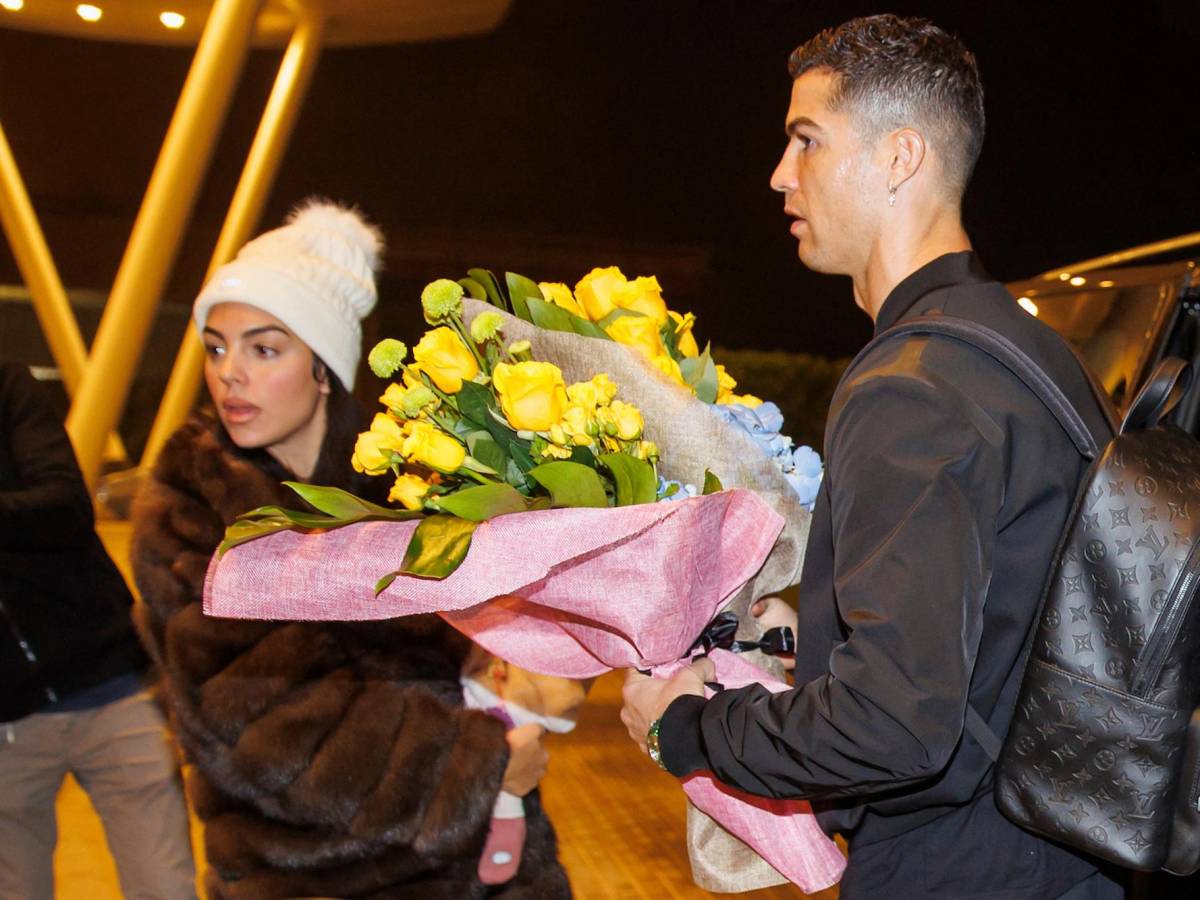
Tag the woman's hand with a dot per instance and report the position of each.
(527, 759)
(772, 612)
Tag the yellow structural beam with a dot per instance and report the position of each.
(258, 175)
(36, 264)
(154, 241)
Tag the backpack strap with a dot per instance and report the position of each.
(1017, 361)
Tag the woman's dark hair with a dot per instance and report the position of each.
(892, 72)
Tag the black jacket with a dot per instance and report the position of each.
(64, 608)
(947, 486)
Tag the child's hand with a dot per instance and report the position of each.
(772, 612)
(527, 759)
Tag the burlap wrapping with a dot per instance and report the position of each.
(691, 438)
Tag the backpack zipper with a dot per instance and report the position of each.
(1150, 665)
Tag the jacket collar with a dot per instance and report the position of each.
(949, 269)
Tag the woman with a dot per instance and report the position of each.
(330, 759)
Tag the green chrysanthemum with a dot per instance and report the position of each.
(441, 299)
(416, 399)
(521, 350)
(386, 357)
(485, 326)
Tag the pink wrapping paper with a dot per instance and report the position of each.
(774, 829)
(568, 592)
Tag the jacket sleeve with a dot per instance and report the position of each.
(344, 735)
(916, 474)
(48, 506)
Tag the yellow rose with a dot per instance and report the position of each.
(596, 289)
(638, 332)
(668, 367)
(605, 389)
(584, 395)
(747, 400)
(445, 358)
(430, 446)
(560, 295)
(574, 426)
(373, 450)
(725, 381)
(684, 339)
(628, 419)
(557, 452)
(532, 394)
(645, 296)
(393, 397)
(409, 491)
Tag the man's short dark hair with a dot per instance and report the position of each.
(894, 72)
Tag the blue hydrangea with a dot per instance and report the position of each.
(681, 491)
(800, 465)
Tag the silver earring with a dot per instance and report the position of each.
(891, 196)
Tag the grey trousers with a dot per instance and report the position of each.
(119, 754)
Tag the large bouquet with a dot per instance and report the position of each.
(577, 411)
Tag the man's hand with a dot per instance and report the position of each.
(646, 698)
(527, 759)
(772, 612)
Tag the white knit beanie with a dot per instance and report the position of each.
(316, 275)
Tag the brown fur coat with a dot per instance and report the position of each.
(331, 759)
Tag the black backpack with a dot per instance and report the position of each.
(1103, 751)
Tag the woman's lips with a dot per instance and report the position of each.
(238, 413)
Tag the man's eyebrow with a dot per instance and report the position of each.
(800, 122)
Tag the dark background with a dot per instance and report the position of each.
(642, 134)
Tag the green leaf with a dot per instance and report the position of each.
(382, 584)
(485, 449)
(552, 317)
(520, 455)
(483, 502)
(570, 484)
(712, 484)
(634, 478)
(336, 502)
(476, 290)
(438, 547)
(617, 314)
(474, 401)
(244, 530)
(521, 289)
(491, 287)
(701, 374)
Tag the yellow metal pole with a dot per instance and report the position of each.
(36, 264)
(262, 165)
(154, 242)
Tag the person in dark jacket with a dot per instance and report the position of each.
(329, 759)
(947, 486)
(71, 668)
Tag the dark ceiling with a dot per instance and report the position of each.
(592, 132)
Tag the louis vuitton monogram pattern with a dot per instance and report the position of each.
(1096, 745)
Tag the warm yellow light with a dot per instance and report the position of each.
(172, 20)
(1064, 276)
(1028, 305)
(12, 5)
(1106, 283)
(1078, 280)
(89, 13)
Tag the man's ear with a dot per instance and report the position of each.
(908, 155)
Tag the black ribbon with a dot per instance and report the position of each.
(721, 634)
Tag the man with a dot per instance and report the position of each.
(70, 666)
(947, 485)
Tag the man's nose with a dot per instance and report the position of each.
(783, 179)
